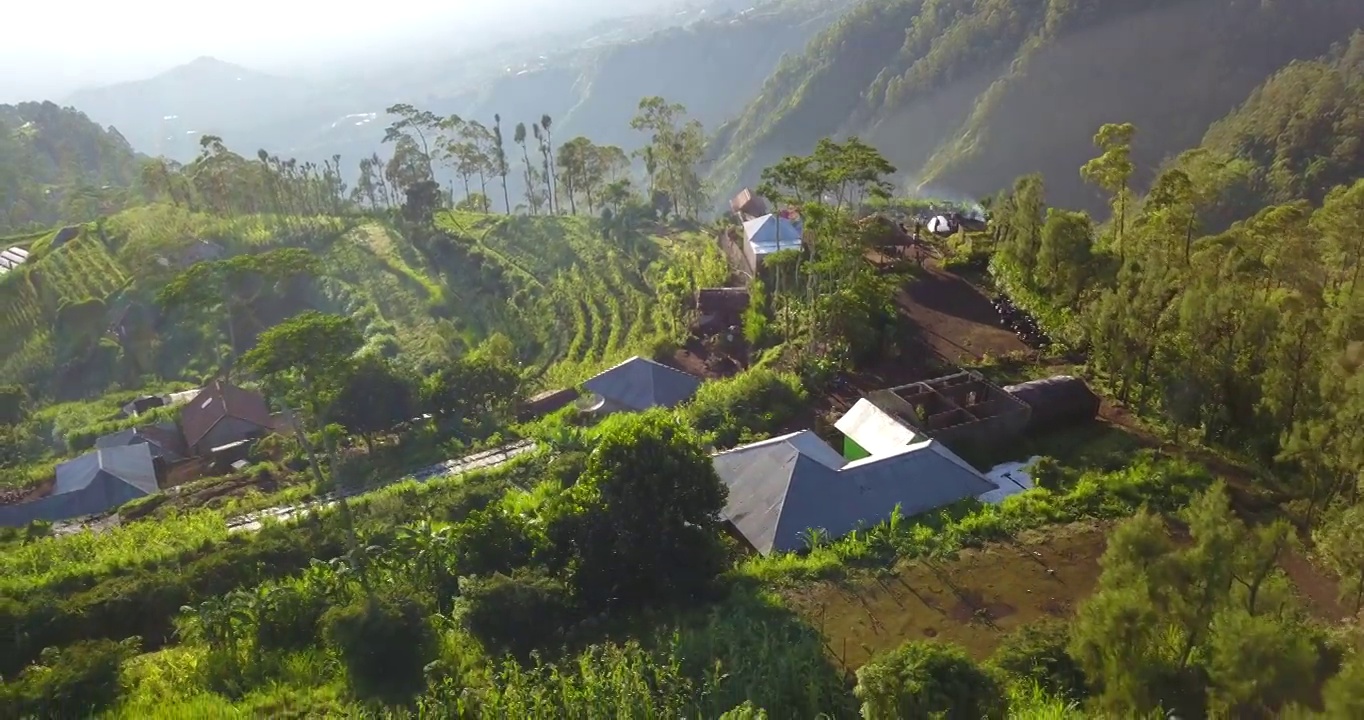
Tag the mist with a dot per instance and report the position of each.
(56, 48)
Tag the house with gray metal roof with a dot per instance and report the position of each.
(783, 487)
(640, 384)
(164, 439)
(93, 483)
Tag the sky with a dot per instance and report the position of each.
(50, 47)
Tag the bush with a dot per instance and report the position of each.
(515, 614)
(1037, 652)
(384, 644)
(290, 618)
(920, 680)
(749, 405)
(76, 681)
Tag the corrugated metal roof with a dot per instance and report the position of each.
(640, 384)
(219, 400)
(128, 464)
(771, 233)
(780, 488)
(873, 429)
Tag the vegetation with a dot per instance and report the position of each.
(403, 321)
(964, 96)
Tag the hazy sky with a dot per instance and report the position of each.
(50, 47)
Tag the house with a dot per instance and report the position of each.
(143, 404)
(747, 205)
(164, 440)
(769, 234)
(222, 414)
(782, 488)
(639, 384)
(1057, 401)
(93, 483)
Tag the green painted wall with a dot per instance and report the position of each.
(853, 451)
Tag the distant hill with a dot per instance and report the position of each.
(56, 164)
(166, 114)
(713, 62)
(965, 95)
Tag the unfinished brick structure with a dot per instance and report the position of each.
(961, 410)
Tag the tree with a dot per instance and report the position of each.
(1340, 542)
(499, 157)
(14, 404)
(234, 285)
(641, 524)
(373, 398)
(1064, 255)
(674, 149)
(423, 125)
(548, 149)
(922, 680)
(1112, 170)
(306, 359)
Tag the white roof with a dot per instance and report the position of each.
(874, 430)
(770, 233)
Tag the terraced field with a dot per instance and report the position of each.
(592, 300)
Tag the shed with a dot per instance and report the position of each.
(93, 483)
(143, 404)
(1057, 401)
(639, 384)
(781, 488)
(12, 258)
(747, 205)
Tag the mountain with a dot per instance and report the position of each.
(1298, 135)
(965, 95)
(166, 114)
(712, 59)
(56, 164)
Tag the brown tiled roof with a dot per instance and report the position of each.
(219, 400)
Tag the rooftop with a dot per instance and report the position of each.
(783, 487)
(640, 384)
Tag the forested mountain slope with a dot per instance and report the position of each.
(55, 164)
(965, 95)
(1299, 134)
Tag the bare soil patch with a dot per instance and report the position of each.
(955, 320)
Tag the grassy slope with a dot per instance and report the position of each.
(965, 96)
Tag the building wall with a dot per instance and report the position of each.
(229, 430)
(853, 451)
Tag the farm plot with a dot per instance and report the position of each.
(973, 599)
(593, 303)
(956, 322)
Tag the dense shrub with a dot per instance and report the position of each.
(289, 620)
(920, 680)
(491, 541)
(384, 643)
(517, 613)
(76, 681)
(1037, 652)
(746, 407)
(567, 467)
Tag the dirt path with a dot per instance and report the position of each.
(956, 320)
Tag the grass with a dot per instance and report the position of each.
(971, 600)
(52, 560)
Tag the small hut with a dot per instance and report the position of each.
(1057, 401)
(747, 205)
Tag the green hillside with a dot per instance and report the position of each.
(428, 299)
(55, 165)
(965, 95)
